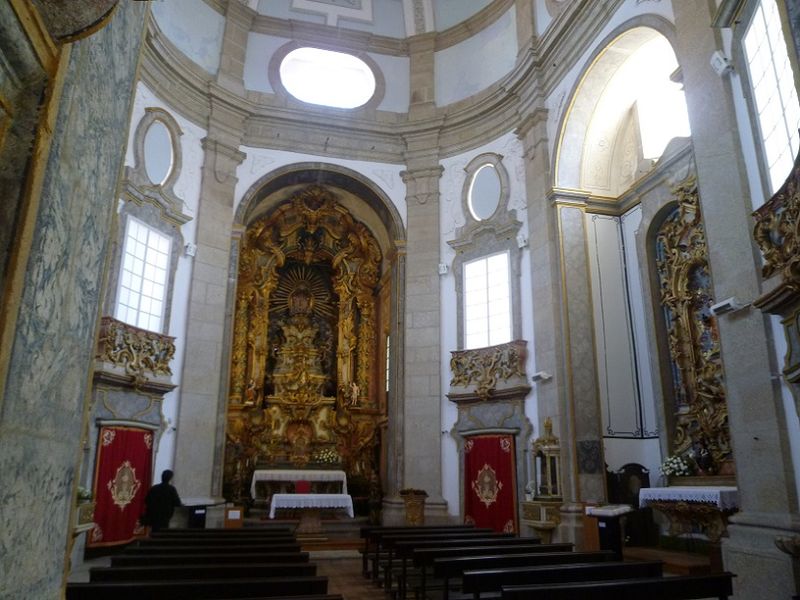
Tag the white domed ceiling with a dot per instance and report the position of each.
(392, 18)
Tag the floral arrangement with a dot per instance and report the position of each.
(327, 456)
(675, 465)
(84, 493)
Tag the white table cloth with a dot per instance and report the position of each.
(297, 475)
(311, 501)
(723, 497)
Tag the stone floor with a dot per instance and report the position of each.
(344, 575)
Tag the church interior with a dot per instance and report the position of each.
(497, 262)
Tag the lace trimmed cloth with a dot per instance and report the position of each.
(723, 497)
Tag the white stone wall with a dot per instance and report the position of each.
(476, 63)
(262, 161)
(452, 217)
(194, 27)
(187, 188)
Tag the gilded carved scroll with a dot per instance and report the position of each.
(699, 408)
(495, 372)
(304, 338)
(140, 353)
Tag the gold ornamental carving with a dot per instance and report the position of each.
(777, 231)
(684, 517)
(481, 370)
(700, 408)
(303, 373)
(139, 352)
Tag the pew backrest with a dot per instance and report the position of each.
(454, 566)
(685, 587)
(132, 560)
(492, 580)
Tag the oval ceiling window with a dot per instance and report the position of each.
(327, 78)
(157, 152)
(484, 192)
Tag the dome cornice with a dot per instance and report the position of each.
(369, 134)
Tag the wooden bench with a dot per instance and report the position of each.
(446, 569)
(387, 543)
(267, 587)
(484, 581)
(213, 549)
(216, 541)
(683, 587)
(278, 530)
(367, 532)
(406, 550)
(195, 571)
(380, 541)
(133, 560)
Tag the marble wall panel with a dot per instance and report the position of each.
(53, 346)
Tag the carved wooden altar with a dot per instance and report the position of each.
(304, 375)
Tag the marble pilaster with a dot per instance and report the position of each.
(422, 366)
(200, 435)
(758, 432)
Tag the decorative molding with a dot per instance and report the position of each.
(493, 373)
(699, 410)
(140, 355)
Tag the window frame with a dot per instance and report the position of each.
(126, 239)
(488, 303)
(742, 24)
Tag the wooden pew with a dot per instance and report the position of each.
(378, 539)
(280, 530)
(267, 587)
(682, 587)
(405, 549)
(388, 543)
(213, 549)
(216, 541)
(134, 560)
(475, 583)
(194, 571)
(367, 532)
(422, 557)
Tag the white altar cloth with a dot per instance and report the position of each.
(297, 475)
(311, 501)
(723, 497)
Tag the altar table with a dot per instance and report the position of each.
(705, 506)
(310, 506)
(311, 501)
(297, 475)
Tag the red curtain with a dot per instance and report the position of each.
(122, 479)
(490, 486)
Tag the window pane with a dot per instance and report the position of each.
(487, 314)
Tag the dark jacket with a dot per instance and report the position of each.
(160, 503)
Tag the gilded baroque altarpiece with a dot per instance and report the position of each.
(305, 370)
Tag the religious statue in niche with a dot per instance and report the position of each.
(303, 372)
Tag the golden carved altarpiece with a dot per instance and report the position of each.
(700, 408)
(303, 388)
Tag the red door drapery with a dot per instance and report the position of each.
(490, 487)
(122, 478)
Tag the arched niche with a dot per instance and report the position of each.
(316, 317)
(600, 149)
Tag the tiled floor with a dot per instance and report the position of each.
(344, 576)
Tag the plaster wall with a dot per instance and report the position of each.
(397, 76)
(630, 428)
(452, 216)
(260, 48)
(261, 161)
(194, 27)
(187, 188)
(568, 161)
(476, 63)
(542, 17)
(447, 13)
(380, 17)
